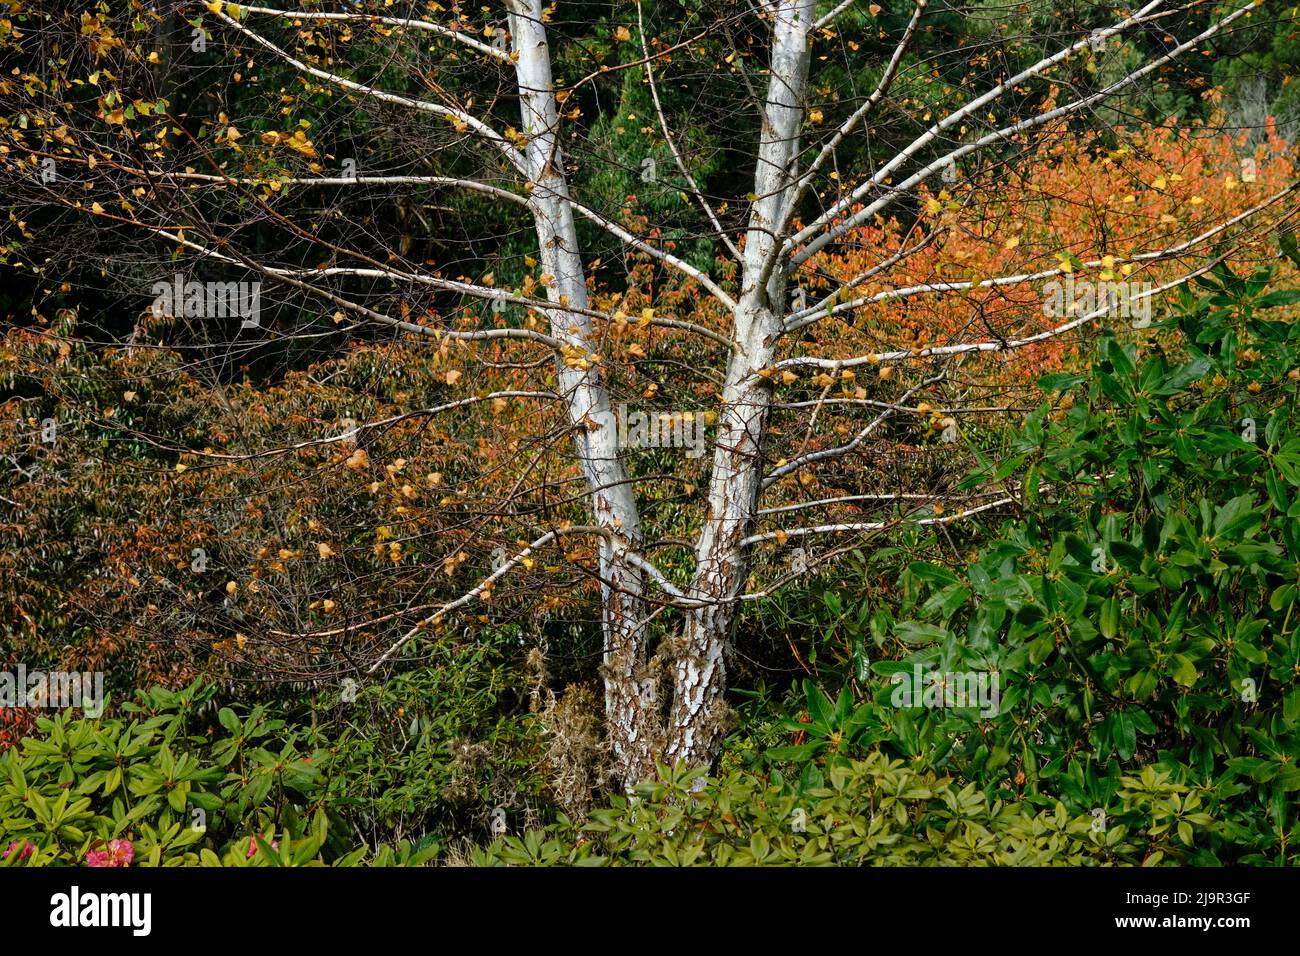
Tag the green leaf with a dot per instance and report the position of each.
(915, 633)
(1184, 671)
(933, 574)
(176, 799)
(819, 705)
(1127, 556)
(1120, 357)
(1177, 616)
(1291, 705)
(229, 721)
(1109, 617)
(1286, 241)
(1060, 382)
(1274, 299)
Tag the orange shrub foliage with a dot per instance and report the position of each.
(1075, 199)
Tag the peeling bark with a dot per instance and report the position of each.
(631, 718)
(722, 560)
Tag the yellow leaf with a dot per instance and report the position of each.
(1011, 243)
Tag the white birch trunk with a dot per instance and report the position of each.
(631, 718)
(722, 562)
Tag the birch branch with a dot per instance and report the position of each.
(803, 461)
(1003, 345)
(783, 534)
(839, 8)
(672, 145)
(631, 557)
(957, 116)
(287, 276)
(437, 109)
(816, 313)
(994, 346)
(350, 436)
(460, 36)
(1041, 119)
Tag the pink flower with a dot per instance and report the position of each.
(27, 850)
(252, 847)
(117, 853)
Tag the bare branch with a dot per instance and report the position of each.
(458, 115)
(805, 234)
(811, 458)
(460, 36)
(672, 144)
(852, 527)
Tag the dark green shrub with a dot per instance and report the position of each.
(1139, 611)
(164, 786)
(875, 811)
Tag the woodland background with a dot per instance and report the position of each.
(244, 728)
